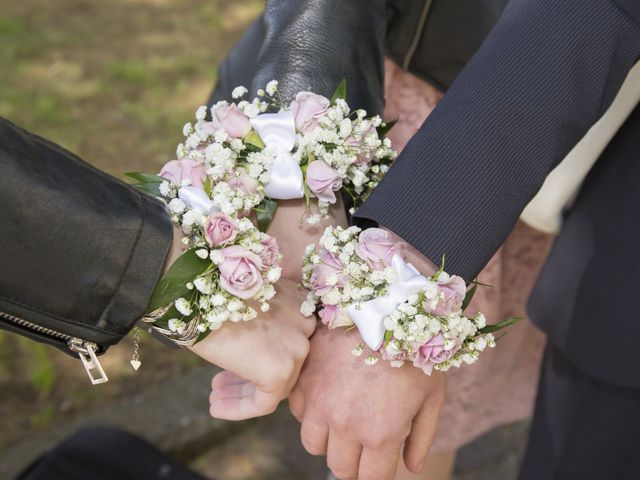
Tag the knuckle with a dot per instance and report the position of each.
(311, 444)
(341, 418)
(271, 405)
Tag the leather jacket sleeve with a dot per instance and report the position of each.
(76, 245)
(312, 45)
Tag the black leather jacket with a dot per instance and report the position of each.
(80, 251)
(435, 39)
(313, 44)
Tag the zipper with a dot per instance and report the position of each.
(86, 350)
(416, 38)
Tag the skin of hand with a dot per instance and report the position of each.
(364, 417)
(261, 358)
(293, 236)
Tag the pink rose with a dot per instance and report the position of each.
(323, 181)
(243, 182)
(334, 317)
(432, 353)
(451, 293)
(219, 229)
(271, 253)
(377, 247)
(307, 108)
(322, 272)
(177, 171)
(240, 272)
(231, 119)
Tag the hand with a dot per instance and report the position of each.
(360, 416)
(262, 357)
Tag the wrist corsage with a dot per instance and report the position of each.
(243, 157)
(237, 160)
(360, 278)
(229, 268)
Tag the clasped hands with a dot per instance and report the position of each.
(363, 418)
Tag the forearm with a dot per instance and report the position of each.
(312, 45)
(544, 75)
(293, 235)
(78, 246)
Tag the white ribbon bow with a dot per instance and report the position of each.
(278, 132)
(369, 316)
(197, 198)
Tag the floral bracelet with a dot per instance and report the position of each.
(360, 278)
(236, 162)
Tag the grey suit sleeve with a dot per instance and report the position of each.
(545, 74)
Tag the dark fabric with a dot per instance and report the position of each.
(312, 45)
(585, 297)
(101, 453)
(80, 251)
(545, 74)
(583, 429)
(434, 39)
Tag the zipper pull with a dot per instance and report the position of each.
(87, 353)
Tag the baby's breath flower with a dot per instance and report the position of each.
(238, 92)
(371, 360)
(183, 306)
(272, 87)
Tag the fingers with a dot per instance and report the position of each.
(379, 464)
(343, 455)
(314, 434)
(423, 431)
(234, 398)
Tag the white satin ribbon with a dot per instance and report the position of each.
(369, 316)
(278, 132)
(197, 198)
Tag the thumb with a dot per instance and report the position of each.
(235, 398)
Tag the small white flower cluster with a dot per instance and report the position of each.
(429, 329)
(212, 299)
(349, 143)
(237, 162)
(433, 341)
(336, 276)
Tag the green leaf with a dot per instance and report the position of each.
(469, 296)
(341, 92)
(202, 336)
(307, 195)
(385, 128)
(208, 186)
(145, 177)
(501, 325)
(148, 188)
(254, 139)
(174, 283)
(265, 212)
(388, 335)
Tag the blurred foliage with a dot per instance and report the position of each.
(114, 81)
(38, 366)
